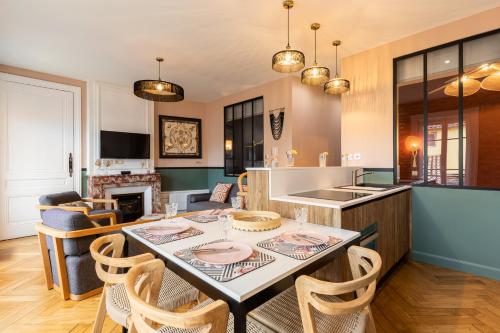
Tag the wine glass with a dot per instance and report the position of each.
(301, 216)
(226, 224)
(236, 202)
(171, 210)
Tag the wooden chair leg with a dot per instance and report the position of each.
(370, 322)
(101, 313)
(42, 241)
(62, 272)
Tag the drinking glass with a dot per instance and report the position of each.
(236, 202)
(301, 216)
(226, 224)
(171, 210)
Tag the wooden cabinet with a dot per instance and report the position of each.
(392, 215)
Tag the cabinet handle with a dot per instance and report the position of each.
(70, 164)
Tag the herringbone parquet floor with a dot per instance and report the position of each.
(415, 298)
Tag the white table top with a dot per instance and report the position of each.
(250, 283)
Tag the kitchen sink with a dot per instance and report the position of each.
(369, 187)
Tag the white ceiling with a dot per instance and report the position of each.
(212, 48)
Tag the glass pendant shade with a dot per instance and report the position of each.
(158, 90)
(315, 75)
(288, 60)
(337, 85)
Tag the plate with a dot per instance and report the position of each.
(292, 237)
(241, 252)
(170, 229)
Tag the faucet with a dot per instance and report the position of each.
(355, 175)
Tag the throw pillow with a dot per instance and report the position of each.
(221, 192)
(75, 204)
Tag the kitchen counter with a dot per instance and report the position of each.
(339, 204)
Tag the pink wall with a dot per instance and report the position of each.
(189, 110)
(312, 123)
(367, 108)
(316, 125)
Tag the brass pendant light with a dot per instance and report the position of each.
(158, 90)
(315, 75)
(337, 85)
(288, 60)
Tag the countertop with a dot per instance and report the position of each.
(340, 204)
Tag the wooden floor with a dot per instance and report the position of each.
(415, 298)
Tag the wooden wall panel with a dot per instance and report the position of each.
(258, 190)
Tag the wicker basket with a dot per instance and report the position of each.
(256, 220)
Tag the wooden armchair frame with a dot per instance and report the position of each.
(57, 236)
(86, 210)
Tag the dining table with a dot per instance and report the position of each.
(257, 284)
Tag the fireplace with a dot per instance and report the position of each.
(131, 205)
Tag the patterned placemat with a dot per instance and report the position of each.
(224, 273)
(202, 218)
(300, 252)
(163, 239)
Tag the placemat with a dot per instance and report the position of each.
(205, 218)
(300, 252)
(224, 273)
(163, 239)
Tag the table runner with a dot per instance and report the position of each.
(224, 273)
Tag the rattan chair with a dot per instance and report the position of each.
(142, 284)
(314, 306)
(107, 251)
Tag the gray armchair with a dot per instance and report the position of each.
(65, 238)
(201, 201)
(57, 199)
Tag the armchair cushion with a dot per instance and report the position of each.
(69, 221)
(59, 198)
(106, 221)
(75, 204)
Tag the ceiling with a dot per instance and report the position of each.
(212, 48)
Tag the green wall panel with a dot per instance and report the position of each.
(216, 175)
(85, 179)
(180, 179)
(379, 177)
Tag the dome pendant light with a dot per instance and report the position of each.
(337, 85)
(158, 90)
(288, 60)
(315, 75)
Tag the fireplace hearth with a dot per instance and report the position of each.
(131, 205)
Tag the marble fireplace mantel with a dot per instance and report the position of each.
(99, 183)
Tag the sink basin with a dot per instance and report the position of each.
(364, 188)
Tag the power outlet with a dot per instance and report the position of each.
(349, 157)
(357, 156)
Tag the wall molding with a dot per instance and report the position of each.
(190, 167)
(456, 264)
(379, 169)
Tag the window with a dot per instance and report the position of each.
(243, 136)
(447, 131)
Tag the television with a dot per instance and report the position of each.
(124, 145)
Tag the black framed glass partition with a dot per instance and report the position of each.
(243, 136)
(447, 114)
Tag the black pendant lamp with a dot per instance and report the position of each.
(158, 90)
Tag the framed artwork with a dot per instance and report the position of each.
(180, 137)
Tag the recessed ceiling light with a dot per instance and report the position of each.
(447, 61)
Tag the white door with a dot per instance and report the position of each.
(37, 138)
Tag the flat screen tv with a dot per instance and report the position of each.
(124, 145)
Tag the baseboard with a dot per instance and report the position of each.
(459, 265)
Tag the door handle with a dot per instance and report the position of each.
(70, 164)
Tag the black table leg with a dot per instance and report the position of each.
(240, 318)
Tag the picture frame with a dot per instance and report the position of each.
(180, 137)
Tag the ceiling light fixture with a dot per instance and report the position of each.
(337, 85)
(158, 90)
(469, 87)
(288, 60)
(315, 75)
